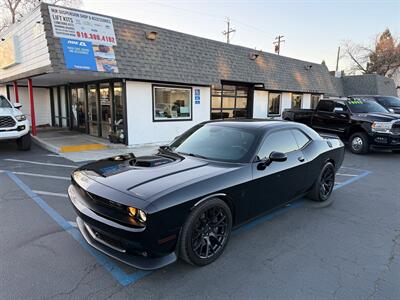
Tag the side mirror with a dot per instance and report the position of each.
(274, 156)
(391, 110)
(17, 105)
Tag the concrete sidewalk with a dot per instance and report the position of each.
(78, 147)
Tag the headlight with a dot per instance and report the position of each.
(138, 216)
(20, 118)
(381, 127)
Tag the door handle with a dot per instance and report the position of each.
(301, 159)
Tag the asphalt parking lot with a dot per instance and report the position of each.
(349, 250)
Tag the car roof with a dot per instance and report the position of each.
(252, 123)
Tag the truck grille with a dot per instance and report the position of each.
(6, 122)
(396, 128)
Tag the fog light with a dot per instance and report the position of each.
(380, 139)
(132, 211)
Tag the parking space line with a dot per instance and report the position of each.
(42, 175)
(40, 163)
(119, 274)
(44, 193)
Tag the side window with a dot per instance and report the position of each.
(280, 141)
(325, 105)
(301, 138)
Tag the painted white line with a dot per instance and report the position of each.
(53, 155)
(41, 175)
(50, 194)
(336, 182)
(40, 163)
(342, 174)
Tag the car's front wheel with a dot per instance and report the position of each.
(24, 142)
(359, 143)
(206, 232)
(324, 185)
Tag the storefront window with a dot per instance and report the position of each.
(229, 101)
(172, 103)
(315, 100)
(296, 100)
(274, 104)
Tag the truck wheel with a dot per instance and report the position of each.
(359, 143)
(205, 232)
(323, 186)
(24, 142)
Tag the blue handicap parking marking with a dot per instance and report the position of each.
(347, 176)
(120, 275)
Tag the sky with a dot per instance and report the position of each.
(312, 29)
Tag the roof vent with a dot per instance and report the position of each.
(151, 35)
(308, 67)
(253, 56)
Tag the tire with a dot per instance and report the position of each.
(359, 143)
(323, 186)
(24, 142)
(197, 241)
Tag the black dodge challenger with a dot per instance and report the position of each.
(184, 201)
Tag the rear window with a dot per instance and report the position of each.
(4, 102)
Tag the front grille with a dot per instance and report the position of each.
(396, 128)
(7, 122)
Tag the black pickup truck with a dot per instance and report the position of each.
(363, 123)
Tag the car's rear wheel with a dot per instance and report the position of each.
(359, 143)
(24, 142)
(323, 186)
(206, 232)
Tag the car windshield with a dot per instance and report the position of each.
(357, 105)
(216, 142)
(4, 102)
(389, 101)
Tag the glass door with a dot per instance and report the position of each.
(229, 101)
(78, 107)
(93, 110)
(105, 110)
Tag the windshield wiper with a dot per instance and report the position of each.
(193, 154)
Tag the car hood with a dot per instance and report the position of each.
(145, 181)
(4, 111)
(379, 117)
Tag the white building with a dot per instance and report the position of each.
(98, 74)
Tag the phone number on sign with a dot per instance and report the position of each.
(95, 37)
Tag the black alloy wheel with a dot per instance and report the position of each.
(210, 232)
(206, 232)
(327, 183)
(323, 186)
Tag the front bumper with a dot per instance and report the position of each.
(15, 132)
(385, 141)
(123, 243)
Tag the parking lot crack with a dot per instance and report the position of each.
(395, 249)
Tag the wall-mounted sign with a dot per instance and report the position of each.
(78, 25)
(9, 55)
(196, 96)
(83, 55)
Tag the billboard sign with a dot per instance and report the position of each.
(82, 26)
(84, 55)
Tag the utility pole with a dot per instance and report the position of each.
(277, 43)
(228, 31)
(337, 59)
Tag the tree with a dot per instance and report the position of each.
(382, 58)
(12, 10)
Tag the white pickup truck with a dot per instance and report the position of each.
(13, 124)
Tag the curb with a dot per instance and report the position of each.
(45, 145)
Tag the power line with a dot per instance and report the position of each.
(229, 30)
(277, 43)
